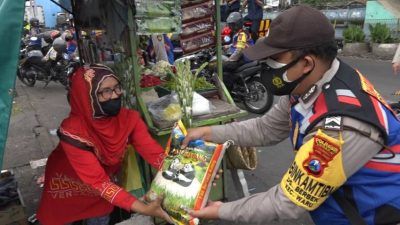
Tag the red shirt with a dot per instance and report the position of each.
(78, 184)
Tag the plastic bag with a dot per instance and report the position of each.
(200, 106)
(198, 42)
(158, 25)
(151, 8)
(166, 108)
(197, 11)
(197, 27)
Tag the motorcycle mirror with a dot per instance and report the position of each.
(227, 39)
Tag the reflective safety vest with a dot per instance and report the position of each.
(241, 40)
(374, 190)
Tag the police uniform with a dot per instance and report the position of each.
(347, 144)
(241, 40)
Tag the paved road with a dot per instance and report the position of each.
(38, 110)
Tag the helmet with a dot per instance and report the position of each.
(34, 22)
(68, 36)
(235, 21)
(55, 34)
(35, 42)
(60, 45)
(47, 37)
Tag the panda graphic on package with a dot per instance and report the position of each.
(182, 174)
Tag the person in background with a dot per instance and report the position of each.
(240, 41)
(396, 61)
(71, 43)
(34, 27)
(345, 137)
(233, 6)
(254, 14)
(80, 172)
(160, 48)
(26, 28)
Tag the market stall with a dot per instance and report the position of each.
(116, 33)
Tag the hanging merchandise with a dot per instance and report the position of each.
(199, 42)
(156, 8)
(160, 25)
(158, 16)
(198, 26)
(192, 2)
(198, 11)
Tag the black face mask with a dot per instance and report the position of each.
(111, 107)
(273, 79)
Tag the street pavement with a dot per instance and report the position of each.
(38, 111)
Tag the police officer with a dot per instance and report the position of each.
(241, 39)
(255, 15)
(34, 27)
(346, 139)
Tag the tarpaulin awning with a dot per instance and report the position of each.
(11, 20)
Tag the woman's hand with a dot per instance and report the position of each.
(152, 209)
(197, 133)
(209, 212)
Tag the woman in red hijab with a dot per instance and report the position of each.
(93, 139)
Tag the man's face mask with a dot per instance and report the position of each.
(274, 77)
(111, 107)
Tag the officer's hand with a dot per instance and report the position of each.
(209, 212)
(197, 133)
(217, 177)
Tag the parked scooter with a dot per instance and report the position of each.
(54, 67)
(198, 59)
(227, 34)
(247, 87)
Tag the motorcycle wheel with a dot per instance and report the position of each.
(30, 82)
(64, 80)
(260, 99)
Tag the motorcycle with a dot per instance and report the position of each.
(33, 67)
(198, 59)
(227, 35)
(247, 87)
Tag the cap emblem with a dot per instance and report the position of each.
(277, 81)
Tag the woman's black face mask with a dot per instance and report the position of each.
(274, 78)
(111, 107)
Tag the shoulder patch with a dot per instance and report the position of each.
(316, 172)
(333, 123)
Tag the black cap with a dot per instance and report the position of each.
(296, 28)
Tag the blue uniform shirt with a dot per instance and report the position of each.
(255, 11)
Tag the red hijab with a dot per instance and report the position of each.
(88, 123)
